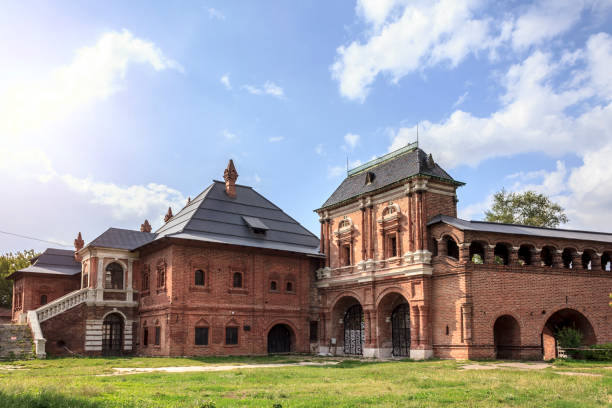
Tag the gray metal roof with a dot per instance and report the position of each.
(215, 217)
(54, 261)
(122, 239)
(394, 167)
(482, 226)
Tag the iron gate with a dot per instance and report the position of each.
(354, 333)
(112, 334)
(400, 330)
(279, 339)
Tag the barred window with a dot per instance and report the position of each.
(157, 335)
(231, 335)
(314, 331)
(201, 336)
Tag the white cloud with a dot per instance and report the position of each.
(406, 36)
(228, 135)
(335, 171)
(351, 139)
(216, 14)
(95, 73)
(460, 99)
(269, 88)
(319, 149)
(226, 82)
(275, 139)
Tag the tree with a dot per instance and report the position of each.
(528, 208)
(10, 263)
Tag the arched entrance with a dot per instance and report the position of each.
(354, 334)
(112, 334)
(279, 339)
(565, 318)
(400, 330)
(507, 338)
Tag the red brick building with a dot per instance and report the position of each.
(395, 273)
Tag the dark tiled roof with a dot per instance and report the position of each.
(214, 217)
(122, 239)
(54, 261)
(515, 229)
(396, 168)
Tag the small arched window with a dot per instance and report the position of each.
(114, 276)
(199, 277)
(289, 286)
(547, 256)
(452, 249)
(501, 254)
(568, 255)
(237, 280)
(273, 285)
(145, 277)
(344, 224)
(43, 300)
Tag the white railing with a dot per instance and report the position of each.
(64, 303)
(39, 340)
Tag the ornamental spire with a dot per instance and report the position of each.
(79, 243)
(168, 215)
(230, 176)
(145, 226)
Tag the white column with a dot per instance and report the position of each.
(130, 292)
(100, 284)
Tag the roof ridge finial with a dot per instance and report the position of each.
(78, 242)
(168, 215)
(145, 227)
(230, 175)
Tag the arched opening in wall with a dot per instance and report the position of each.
(525, 255)
(606, 261)
(280, 339)
(501, 254)
(452, 249)
(547, 256)
(559, 320)
(114, 276)
(199, 277)
(587, 259)
(477, 253)
(507, 338)
(354, 331)
(112, 334)
(400, 330)
(568, 257)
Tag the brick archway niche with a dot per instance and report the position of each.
(394, 341)
(507, 338)
(565, 318)
(338, 315)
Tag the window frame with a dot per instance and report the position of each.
(236, 274)
(145, 335)
(157, 341)
(203, 278)
(274, 285)
(229, 337)
(206, 337)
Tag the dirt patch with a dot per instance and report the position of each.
(578, 374)
(195, 369)
(9, 367)
(517, 365)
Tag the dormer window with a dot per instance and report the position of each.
(256, 225)
(369, 178)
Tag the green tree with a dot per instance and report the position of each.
(9, 263)
(528, 208)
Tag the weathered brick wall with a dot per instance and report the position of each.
(254, 308)
(36, 285)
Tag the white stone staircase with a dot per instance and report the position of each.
(52, 309)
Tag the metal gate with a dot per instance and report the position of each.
(279, 339)
(112, 334)
(354, 333)
(400, 330)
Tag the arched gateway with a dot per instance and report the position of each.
(112, 334)
(279, 339)
(565, 318)
(354, 331)
(400, 330)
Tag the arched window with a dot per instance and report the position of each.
(145, 334)
(587, 259)
(501, 254)
(199, 277)
(289, 286)
(273, 285)
(157, 333)
(237, 280)
(547, 256)
(452, 249)
(161, 274)
(568, 258)
(114, 276)
(43, 300)
(145, 277)
(477, 253)
(525, 255)
(605, 261)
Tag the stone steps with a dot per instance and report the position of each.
(15, 341)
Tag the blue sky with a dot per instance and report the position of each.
(112, 111)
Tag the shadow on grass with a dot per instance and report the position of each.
(43, 400)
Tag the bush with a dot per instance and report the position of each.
(601, 352)
(477, 259)
(569, 337)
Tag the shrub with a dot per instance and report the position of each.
(601, 352)
(498, 260)
(477, 259)
(569, 337)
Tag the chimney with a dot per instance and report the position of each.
(78, 245)
(168, 215)
(145, 227)
(230, 176)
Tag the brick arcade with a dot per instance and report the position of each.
(394, 273)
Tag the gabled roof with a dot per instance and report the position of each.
(394, 167)
(515, 229)
(122, 239)
(215, 217)
(55, 262)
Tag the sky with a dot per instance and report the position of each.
(110, 112)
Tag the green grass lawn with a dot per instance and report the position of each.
(75, 382)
